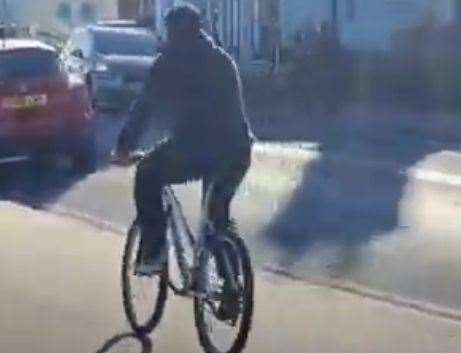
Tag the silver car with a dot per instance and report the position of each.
(114, 62)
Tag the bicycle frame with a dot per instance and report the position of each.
(182, 240)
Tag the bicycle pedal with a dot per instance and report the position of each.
(232, 322)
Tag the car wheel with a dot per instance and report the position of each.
(94, 104)
(93, 101)
(84, 157)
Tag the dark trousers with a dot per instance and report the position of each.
(170, 163)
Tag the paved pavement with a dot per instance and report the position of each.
(60, 293)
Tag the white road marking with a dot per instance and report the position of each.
(434, 176)
(14, 159)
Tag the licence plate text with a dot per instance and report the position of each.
(25, 102)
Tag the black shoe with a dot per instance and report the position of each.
(229, 309)
(149, 269)
(152, 265)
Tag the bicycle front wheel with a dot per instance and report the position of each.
(218, 334)
(144, 298)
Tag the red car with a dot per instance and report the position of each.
(43, 110)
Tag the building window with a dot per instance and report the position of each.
(87, 12)
(254, 29)
(350, 10)
(64, 12)
(458, 10)
(129, 9)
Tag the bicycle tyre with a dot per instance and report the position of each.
(248, 300)
(128, 305)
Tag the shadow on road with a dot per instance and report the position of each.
(37, 185)
(127, 342)
(349, 196)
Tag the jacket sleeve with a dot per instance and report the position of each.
(140, 111)
(234, 100)
(234, 88)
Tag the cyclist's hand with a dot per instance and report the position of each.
(121, 158)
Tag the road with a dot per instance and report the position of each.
(378, 220)
(396, 232)
(60, 293)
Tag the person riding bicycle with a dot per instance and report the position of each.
(196, 87)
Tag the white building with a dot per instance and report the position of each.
(157, 9)
(57, 15)
(447, 10)
(366, 25)
(249, 29)
(369, 25)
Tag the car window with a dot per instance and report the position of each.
(126, 42)
(70, 46)
(28, 63)
(78, 42)
(85, 44)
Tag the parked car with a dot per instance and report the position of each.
(114, 62)
(43, 110)
(121, 23)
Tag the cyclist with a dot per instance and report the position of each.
(195, 86)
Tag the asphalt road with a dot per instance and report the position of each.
(382, 216)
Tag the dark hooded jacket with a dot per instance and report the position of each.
(197, 90)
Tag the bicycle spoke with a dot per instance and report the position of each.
(219, 330)
(144, 297)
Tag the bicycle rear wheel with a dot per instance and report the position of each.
(218, 335)
(144, 298)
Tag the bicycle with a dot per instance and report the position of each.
(212, 269)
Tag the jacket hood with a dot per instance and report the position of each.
(202, 44)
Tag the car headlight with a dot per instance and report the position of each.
(101, 67)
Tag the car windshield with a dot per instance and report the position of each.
(124, 42)
(28, 63)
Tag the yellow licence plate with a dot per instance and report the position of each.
(24, 102)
